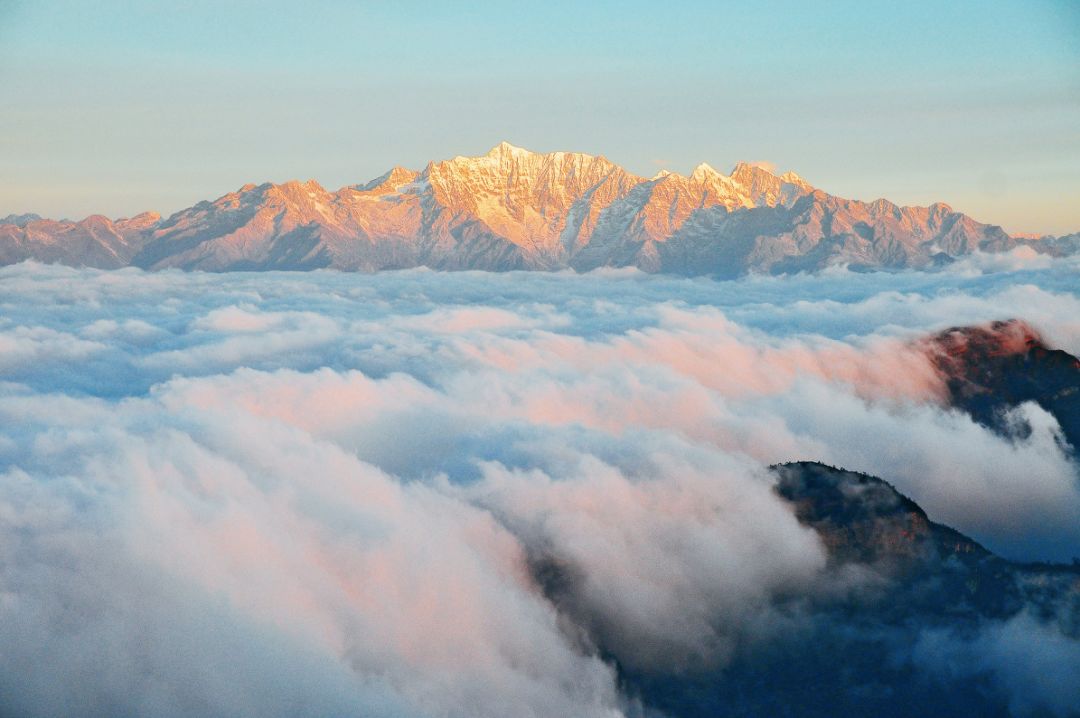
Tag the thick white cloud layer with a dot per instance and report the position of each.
(253, 494)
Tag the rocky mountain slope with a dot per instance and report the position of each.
(901, 592)
(515, 209)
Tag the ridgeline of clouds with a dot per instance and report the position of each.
(297, 494)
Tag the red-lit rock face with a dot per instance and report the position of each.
(1004, 338)
(991, 369)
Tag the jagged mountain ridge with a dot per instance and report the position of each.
(20, 220)
(95, 241)
(516, 209)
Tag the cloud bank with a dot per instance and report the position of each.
(442, 494)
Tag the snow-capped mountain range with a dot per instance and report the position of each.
(516, 209)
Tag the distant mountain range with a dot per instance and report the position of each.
(516, 209)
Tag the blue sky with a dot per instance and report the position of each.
(116, 107)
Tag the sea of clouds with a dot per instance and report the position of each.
(299, 493)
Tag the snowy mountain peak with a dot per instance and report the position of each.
(798, 181)
(505, 148)
(392, 180)
(762, 187)
(516, 209)
(747, 172)
(295, 191)
(704, 172)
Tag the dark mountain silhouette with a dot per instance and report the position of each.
(856, 650)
